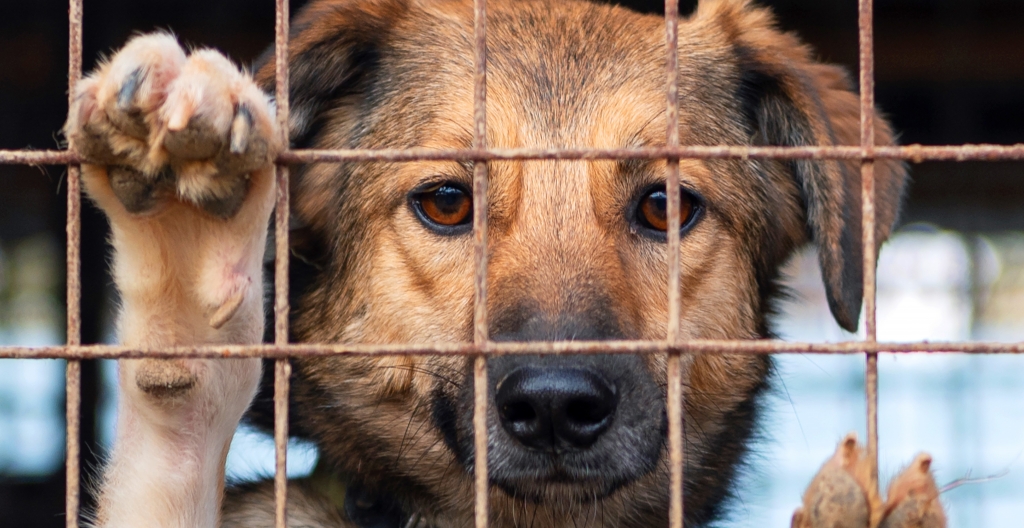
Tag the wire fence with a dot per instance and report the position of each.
(866, 153)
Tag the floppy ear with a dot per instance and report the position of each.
(791, 100)
(332, 46)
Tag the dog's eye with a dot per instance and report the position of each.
(445, 205)
(652, 210)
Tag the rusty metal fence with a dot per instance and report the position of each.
(866, 153)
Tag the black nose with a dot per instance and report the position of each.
(555, 408)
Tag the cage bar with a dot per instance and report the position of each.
(480, 330)
(911, 153)
(73, 371)
(674, 390)
(282, 366)
(697, 346)
(865, 24)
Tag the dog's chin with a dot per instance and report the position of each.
(559, 489)
(574, 479)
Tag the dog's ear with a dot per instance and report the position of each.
(333, 45)
(791, 100)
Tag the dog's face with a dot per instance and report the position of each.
(577, 249)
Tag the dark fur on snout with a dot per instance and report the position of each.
(566, 258)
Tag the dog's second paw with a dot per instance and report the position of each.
(914, 498)
(841, 495)
(168, 124)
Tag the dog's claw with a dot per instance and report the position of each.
(126, 95)
(841, 495)
(241, 127)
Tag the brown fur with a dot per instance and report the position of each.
(567, 260)
(564, 75)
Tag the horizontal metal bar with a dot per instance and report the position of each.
(38, 157)
(492, 348)
(914, 153)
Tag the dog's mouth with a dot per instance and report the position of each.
(561, 483)
(561, 430)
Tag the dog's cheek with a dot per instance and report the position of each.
(393, 375)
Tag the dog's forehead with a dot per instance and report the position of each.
(559, 74)
(555, 66)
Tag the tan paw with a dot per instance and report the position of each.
(169, 125)
(914, 498)
(841, 495)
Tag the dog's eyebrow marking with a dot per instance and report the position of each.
(632, 167)
(635, 166)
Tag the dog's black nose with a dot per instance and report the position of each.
(555, 408)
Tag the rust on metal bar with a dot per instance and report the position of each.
(281, 30)
(480, 330)
(73, 371)
(912, 153)
(282, 367)
(298, 350)
(674, 393)
(282, 377)
(481, 514)
(37, 157)
(281, 256)
(867, 142)
(676, 447)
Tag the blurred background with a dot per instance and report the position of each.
(949, 71)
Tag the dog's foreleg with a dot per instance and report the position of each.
(180, 151)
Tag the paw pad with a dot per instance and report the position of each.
(164, 379)
(170, 125)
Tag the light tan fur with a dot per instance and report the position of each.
(185, 276)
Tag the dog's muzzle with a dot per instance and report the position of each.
(571, 427)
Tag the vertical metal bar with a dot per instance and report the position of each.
(480, 330)
(675, 390)
(282, 367)
(867, 138)
(73, 372)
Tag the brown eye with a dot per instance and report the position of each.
(445, 206)
(652, 211)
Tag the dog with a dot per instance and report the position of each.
(179, 149)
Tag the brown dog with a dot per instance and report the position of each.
(182, 147)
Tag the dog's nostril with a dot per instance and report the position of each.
(555, 408)
(518, 412)
(586, 412)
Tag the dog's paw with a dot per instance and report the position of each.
(913, 500)
(841, 495)
(169, 125)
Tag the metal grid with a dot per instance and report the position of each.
(866, 153)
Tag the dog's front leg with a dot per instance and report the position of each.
(180, 150)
